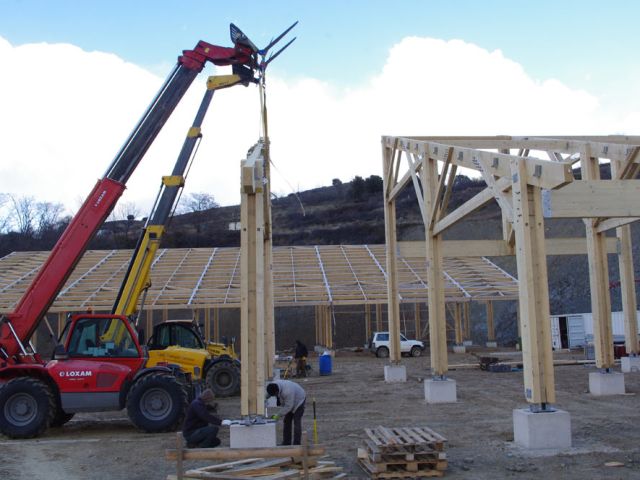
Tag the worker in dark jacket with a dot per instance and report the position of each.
(200, 428)
(301, 359)
(291, 399)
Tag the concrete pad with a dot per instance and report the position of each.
(395, 373)
(543, 430)
(459, 349)
(492, 344)
(440, 391)
(630, 364)
(467, 343)
(253, 436)
(601, 384)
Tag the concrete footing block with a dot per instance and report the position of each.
(395, 373)
(459, 349)
(492, 344)
(630, 364)
(543, 430)
(467, 343)
(601, 384)
(253, 436)
(440, 391)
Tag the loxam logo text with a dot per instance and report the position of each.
(76, 373)
(104, 192)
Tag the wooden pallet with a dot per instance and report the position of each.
(414, 452)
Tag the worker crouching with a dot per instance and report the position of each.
(291, 398)
(200, 428)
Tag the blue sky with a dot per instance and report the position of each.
(359, 69)
(586, 43)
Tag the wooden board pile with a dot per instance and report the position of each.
(264, 468)
(416, 452)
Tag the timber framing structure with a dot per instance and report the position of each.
(531, 178)
(200, 278)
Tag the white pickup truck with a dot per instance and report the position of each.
(379, 345)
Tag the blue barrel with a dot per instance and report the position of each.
(324, 364)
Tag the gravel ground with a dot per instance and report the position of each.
(479, 427)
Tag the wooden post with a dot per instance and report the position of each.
(434, 258)
(329, 326)
(466, 310)
(367, 322)
(491, 332)
(393, 313)
(379, 327)
(457, 315)
(598, 274)
(165, 314)
(61, 316)
(207, 324)
(317, 324)
(416, 316)
(627, 282)
(252, 313)
(216, 325)
(531, 259)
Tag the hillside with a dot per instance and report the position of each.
(352, 213)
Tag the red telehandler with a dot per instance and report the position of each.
(99, 364)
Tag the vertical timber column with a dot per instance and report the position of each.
(416, 316)
(216, 325)
(598, 275)
(316, 322)
(252, 273)
(466, 311)
(207, 324)
(367, 322)
(437, 312)
(393, 313)
(531, 260)
(627, 283)
(379, 327)
(329, 316)
(491, 331)
(457, 315)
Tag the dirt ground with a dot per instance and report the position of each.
(479, 427)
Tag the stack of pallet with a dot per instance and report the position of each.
(257, 468)
(415, 452)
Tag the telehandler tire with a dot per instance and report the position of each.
(157, 402)
(27, 406)
(224, 379)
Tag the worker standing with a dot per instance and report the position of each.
(291, 398)
(200, 428)
(301, 359)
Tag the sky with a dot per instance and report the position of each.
(77, 74)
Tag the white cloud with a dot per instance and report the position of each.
(65, 113)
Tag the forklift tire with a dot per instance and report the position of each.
(157, 402)
(224, 379)
(27, 406)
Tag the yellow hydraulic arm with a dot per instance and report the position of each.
(136, 280)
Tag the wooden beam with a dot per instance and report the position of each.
(435, 280)
(598, 275)
(593, 198)
(537, 354)
(470, 206)
(392, 269)
(239, 453)
(536, 172)
(499, 248)
(416, 318)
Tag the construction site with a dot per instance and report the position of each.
(103, 351)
